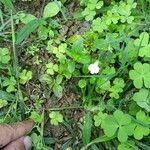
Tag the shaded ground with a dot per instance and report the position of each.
(35, 89)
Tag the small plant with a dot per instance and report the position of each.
(56, 118)
(10, 83)
(4, 56)
(140, 75)
(25, 76)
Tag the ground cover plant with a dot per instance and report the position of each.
(80, 69)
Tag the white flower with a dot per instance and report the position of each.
(94, 68)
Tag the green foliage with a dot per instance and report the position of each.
(142, 98)
(142, 129)
(36, 117)
(120, 12)
(143, 44)
(118, 123)
(99, 118)
(10, 83)
(91, 7)
(129, 145)
(51, 68)
(25, 76)
(26, 18)
(117, 88)
(82, 83)
(51, 9)
(140, 75)
(3, 103)
(56, 117)
(93, 63)
(87, 128)
(4, 56)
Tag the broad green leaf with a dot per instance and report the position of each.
(26, 18)
(51, 9)
(110, 126)
(142, 98)
(28, 29)
(3, 103)
(140, 75)
(143, 40)
(141, 130)
(57, 89)
(7, 96)
(8, 4)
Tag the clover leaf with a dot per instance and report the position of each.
(102, 85)
(143, 44)
(3, 103)
(99, 118)
(25, 76)
(140, 75)
(56, 117)
(117, 88)
(4, 55)
(129, 145)
(140, 131)
(10, 83)
(99, 25)
(51, 68)
(118, 123)
(90, 10)
(59, 52)
(142, 98)
(111, 17)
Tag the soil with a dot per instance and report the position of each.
(70, 97)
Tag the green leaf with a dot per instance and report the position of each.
(82, 83)
(10, 83)
(110, 126)
(98, 140)
(142, 98)
(140, 130)
(3, 103)
(87, 128)
(56, 117)
(7, 96)
(99, 118)
(118, 122)
(8, 4)
(143, 39)
(25, 76)
(51, 9)
(36, 117)
(57, 89)
(26, 18)
(28, 29)
(4, 55)
(140, 75)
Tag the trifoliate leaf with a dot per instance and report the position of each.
(140, 75)
(56, 117)
(142, 98)
(141, 130)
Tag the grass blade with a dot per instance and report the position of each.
(87, 128)
(8, 4)
(28, 29)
